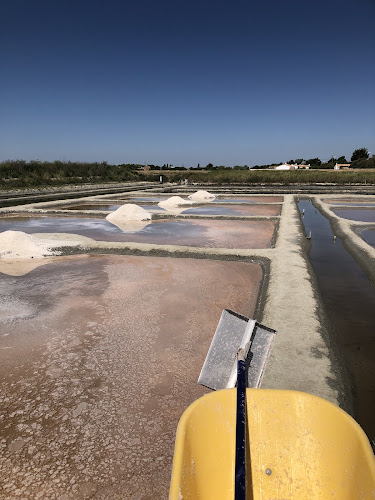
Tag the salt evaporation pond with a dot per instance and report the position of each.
(96, 376)
(350, 201)
(369, 236)
(106, 207)
(358, 214)
(218, 199)
(236, 210)
(349, 299)
(196, 233)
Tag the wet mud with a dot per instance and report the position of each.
(98, 361)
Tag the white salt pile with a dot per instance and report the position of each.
(130, 226)
(202, 196)
(173, 202)
(129, 218)
(129, 212)
(19, 245)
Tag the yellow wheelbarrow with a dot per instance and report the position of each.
(259, 444)
(299, 447)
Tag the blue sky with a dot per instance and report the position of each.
(179, 82)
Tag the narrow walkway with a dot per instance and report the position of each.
(300, 358)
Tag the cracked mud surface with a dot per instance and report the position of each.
(99, 358)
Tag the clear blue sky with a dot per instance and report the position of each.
(234, 82)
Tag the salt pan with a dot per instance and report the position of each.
(174, 202)
(202, 196)
(129, 212)
(19, 245)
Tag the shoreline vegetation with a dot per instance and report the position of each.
(16, 174)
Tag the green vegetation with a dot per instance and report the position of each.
(275, 177)
(21, 174)
(360, 154)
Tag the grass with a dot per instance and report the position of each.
(20, 174)
(277, 177)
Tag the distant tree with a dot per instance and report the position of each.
(359, 153)
(209, 166)
(299, 161)
(342, 159)
(198, 166)
(331, 162)
(363, 163)
(314, 162)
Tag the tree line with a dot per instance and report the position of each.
(21, 173)
(359, 159)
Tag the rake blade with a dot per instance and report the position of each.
(221, 360)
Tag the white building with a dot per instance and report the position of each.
(287, 166)
(284, 166)
(339, 165)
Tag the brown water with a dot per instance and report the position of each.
(196, 233)
(359, 214)
(97, 372)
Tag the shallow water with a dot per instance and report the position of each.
(238, 210)
(97, 370)
(196, 233)
(369, 236)
(349, 201)
(107, 207)
(251, 200)
(83, 206)
(349, 300)
(359, 214)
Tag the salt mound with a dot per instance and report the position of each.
(173, 202)
(129, 212)
(19, 245)
(202, 196)
(130, 226)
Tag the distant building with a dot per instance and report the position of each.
(344, 166)
(288, 166)
(284, 166)
(306, 167)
